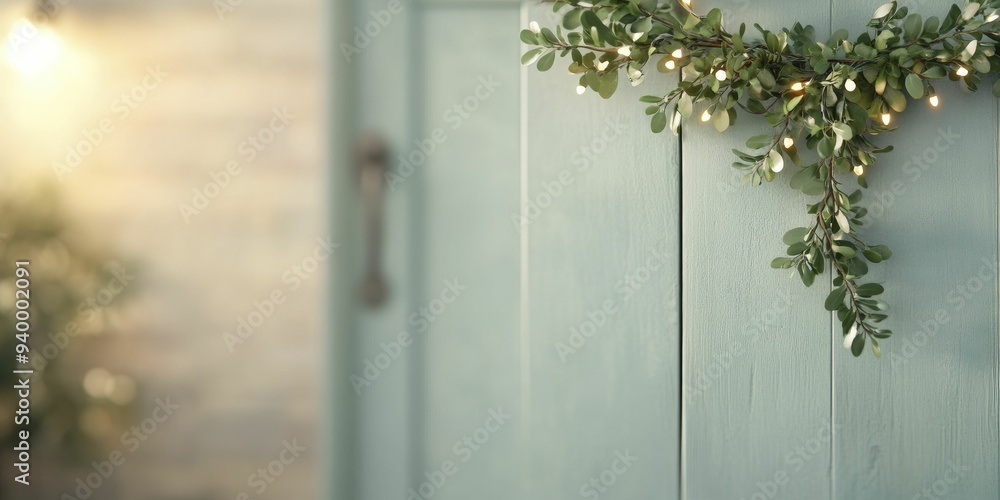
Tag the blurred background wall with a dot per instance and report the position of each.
(184, 140)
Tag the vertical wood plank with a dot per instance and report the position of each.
(600, 214)
(384, 408)
(341, 347)
(468, 297)
(924, 418)
(756, 343)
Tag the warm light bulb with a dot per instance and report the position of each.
(31, 49)
(687, 2)
(962, 71)
(859, 170)
(797, 86)
(580, 89)
(850, 86)
(677, 54)
(789, 142)
(934, 101)
(721, 75)
(886, 119)
(706, 116)
(671, 65)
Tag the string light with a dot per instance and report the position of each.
(625, 51)
(580, 89)
(602, 65)
(670, 65)
(721, 75)
(934, 101)
(706, 116)
(859, 170)
(850, 86)
(637, 77)
(686, 2)
(962, 71)
(31, 49)
(789, 142)
(797, 86)
(677, 54)
(886, 119)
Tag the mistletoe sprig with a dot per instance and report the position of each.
(831, 97)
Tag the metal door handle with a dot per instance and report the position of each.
(373, 157)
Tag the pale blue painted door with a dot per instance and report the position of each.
(579, 308)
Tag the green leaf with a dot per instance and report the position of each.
(914, 86)
(590, 19)
(884, 10)
(858, 346)
(935, 72)
(913, 27)
(781, 263)
(766, 79)
(685, 105)
(836, 298)
(931, 26)
(658, 123)
(883, 250)
(609, 84)
(720, 119)
(818, 261)
(546, 61)
(792, 103)
(825, 147)
(842, 130)
(895, 99)
(797, 248)
(872, 256)
(881, 334)
(842, 250)
(529, 37)
(808, 277)
(760, 141)
(529, 56)
(870, 290)
(970, 11)
(797, 235)
(571, 20)
(714, 18)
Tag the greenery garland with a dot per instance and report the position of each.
(836, 94)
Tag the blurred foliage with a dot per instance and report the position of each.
(68, 273)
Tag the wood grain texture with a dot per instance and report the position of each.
(469, 81)
(756, 343)
(585, 238)
(925, 416)
(602, 230)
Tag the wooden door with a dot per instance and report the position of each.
(578, 307)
